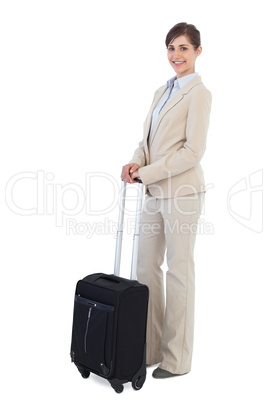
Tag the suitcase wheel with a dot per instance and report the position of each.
(138, 383)
(84, 373)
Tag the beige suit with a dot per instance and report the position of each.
(170, 169)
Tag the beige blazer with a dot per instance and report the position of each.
(170, 166)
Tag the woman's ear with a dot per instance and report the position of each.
(199, 50)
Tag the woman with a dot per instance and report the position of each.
(168, 163)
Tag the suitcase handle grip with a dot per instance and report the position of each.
(108, 278)
(138, 180)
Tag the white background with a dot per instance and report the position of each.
(77, 79)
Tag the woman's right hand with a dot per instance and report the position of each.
(127, 171)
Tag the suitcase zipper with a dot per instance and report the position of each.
(97, 305)
(85, 338)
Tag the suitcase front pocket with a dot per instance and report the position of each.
(93, 334)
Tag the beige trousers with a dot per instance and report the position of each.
(169, 225)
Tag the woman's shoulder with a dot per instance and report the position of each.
(198, 88)
(160, 89)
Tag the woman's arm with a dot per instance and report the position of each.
(139, 155)
(132, 167)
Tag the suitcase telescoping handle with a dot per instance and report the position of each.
(120, 227)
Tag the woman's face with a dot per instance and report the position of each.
(182, 55)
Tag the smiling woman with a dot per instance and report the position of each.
(168, 163)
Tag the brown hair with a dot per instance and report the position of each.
(184, 29)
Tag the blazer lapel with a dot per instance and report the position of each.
(158, 95)
(176, 99)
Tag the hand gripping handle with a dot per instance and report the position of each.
(119, 236)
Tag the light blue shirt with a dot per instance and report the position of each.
(173, 86)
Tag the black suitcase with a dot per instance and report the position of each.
(109, 321)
